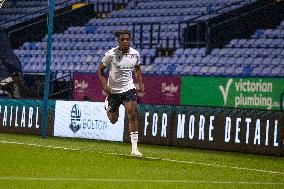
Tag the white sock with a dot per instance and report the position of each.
(134, 139)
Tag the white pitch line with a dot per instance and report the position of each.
(140, 180)
(150, 158)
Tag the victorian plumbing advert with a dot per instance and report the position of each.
(256, 93)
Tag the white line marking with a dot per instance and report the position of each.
(140, 180)
(150, 158)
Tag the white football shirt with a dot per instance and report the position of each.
(121, 66)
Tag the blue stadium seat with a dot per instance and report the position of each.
(257, 61)
(205, 60)
(179, 69)
(187, 69)
(276, 71)
(215, 60)
(220, 70)
(195, 69)
(187, 60)
(203, 70)
(222, 61)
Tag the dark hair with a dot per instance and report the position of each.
(120, 32)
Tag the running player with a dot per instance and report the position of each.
(121, 62)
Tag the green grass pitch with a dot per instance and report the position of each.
(30, 162)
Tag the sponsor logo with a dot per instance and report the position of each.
(86, 120)
(225, 91)
(248, 93)
(169, 90)
(254, 93)
(82, 119)
(75, 118)
(81, 85)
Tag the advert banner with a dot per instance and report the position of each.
(249, 131)
(25, 116)
(87, 87)
(253, 93)
(160, 90)
(87, 120)
(154, 124)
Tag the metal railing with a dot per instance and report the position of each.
(108, 6)
(203, 30)
(145, 29)
(197, 38)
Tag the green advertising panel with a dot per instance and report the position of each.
(257, 93)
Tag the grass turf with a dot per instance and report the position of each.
(32, 162)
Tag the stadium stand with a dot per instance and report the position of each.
(261, 55)
(17, 11)
(89, 40)
(156, 27)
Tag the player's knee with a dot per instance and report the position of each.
(113, 120)
(113, 117)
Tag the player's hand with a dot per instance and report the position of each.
(107, 89)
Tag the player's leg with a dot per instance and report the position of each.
(113, 116)
(112, 104)
(130, 108)
(130, 104)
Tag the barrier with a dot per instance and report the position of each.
(86, 120)
(250, 131)
(25, 116)
(229, 129)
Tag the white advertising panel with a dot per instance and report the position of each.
(79, 119)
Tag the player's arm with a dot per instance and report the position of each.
(102, 77)
(139, 77)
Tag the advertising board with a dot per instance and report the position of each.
(25, 116)
(241, 130)
(81, 119)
